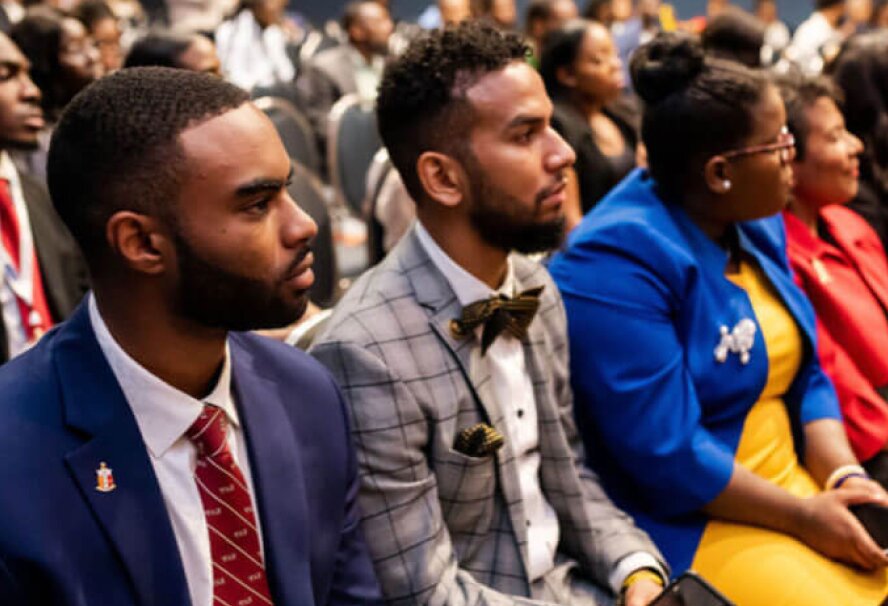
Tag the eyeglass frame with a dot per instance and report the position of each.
(785, 141)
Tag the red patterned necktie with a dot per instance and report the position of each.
(35, 315)
(238, 570)
(9, 226)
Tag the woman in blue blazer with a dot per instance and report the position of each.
(701, 403)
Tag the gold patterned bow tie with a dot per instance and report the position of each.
(498, 313)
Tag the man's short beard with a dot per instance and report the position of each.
(214, 297)
(493, 216)
(19, 145)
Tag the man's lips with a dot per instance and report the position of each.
(301, 275)
(554, 195)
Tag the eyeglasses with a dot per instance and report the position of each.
(784, 145)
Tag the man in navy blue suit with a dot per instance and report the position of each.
(149, 454)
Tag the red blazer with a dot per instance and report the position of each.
(847, 282)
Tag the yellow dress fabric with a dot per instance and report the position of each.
(758, 567)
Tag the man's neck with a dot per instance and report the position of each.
(487, 263)
(175, 350)
(365, 53)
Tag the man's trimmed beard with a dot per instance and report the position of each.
(500, 218)
(215, 297)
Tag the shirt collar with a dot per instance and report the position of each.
(376, 63)
(467, 287)
(163, 413)
(7, 167)
(798, 234)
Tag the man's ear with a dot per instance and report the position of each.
(442, 177)
(141, 242)
(717, 174)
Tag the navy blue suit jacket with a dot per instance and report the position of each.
(63, 542)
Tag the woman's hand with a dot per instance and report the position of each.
(825, 524)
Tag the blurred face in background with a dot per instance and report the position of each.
(21, 117)
(454, 11)
(268, 12)
(106, 34)
(621, 10)
(859, 11)
(828, 172)
(560, 12)
(504, 13)
(649, 9)
(79, 58)
(372, 28)
(596, 75)
(201, 56)
(766, 11)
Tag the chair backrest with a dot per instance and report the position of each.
(376, 175)
(294, 129)
(307, 191)
(352, 141)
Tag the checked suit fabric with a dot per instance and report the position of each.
(238, 570)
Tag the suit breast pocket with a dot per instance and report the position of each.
(466, 488)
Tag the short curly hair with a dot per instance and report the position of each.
(422, 103)
(116, 146)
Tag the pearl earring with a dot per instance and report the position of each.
(727, 185)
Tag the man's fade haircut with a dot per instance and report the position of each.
(422, 103)
(116, 146)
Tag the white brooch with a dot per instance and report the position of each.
(739, 341)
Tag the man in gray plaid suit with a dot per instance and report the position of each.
(452, 353)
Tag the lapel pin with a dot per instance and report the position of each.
(104, 478)
(822, 273)
(738, 340)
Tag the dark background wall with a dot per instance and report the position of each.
(791, 11)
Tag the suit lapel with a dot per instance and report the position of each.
(132, 515)
(277, 479)
(434, 292)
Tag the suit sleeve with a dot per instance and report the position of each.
(632, 386)
(402, 520)
(354, 580)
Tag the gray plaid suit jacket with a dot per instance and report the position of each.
(444, 528)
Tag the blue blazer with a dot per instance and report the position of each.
(62, 542)
(646, 296)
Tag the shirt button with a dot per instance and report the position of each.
(527, 523)
(520, 412)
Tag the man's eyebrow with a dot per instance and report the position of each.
(525, 120)
(261, 185)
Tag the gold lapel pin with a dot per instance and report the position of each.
(104, 478)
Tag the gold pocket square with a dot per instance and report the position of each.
(479, 440)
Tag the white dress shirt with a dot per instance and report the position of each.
(814, 36)
(513, 390)
(252, 55)
(163, 414)
(22, 281)
(367, 74)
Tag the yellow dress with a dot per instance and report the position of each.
(758, 567)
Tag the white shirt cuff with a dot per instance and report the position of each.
(629, 564)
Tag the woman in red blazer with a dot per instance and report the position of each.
(839, 261)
